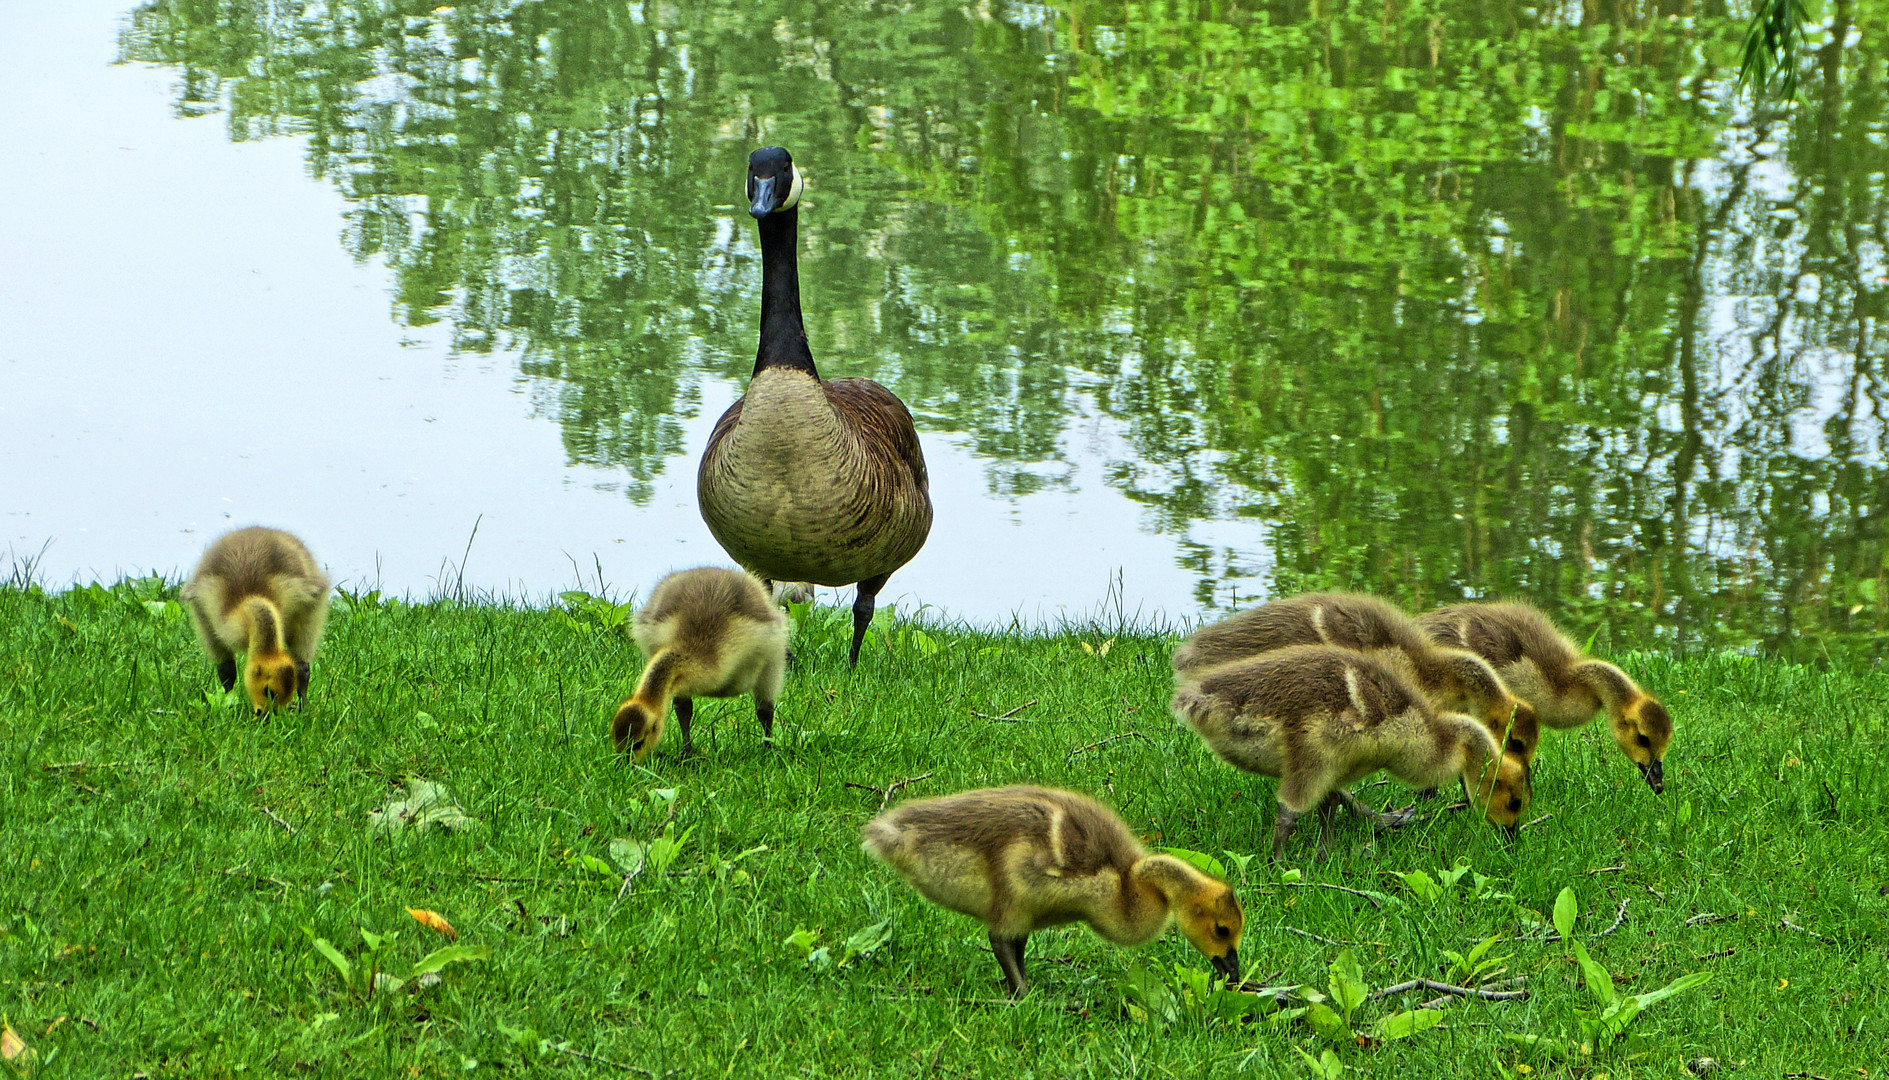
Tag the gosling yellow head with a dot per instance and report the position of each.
(1643, 729)
(271, 681)
(637, 729)
(1500, 787)
(1209, 915)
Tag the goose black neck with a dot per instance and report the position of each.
(783, 335)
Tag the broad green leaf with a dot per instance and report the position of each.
(802, 940)
(1348, 988)
(451, 954)
(1199, 860)
(325, 948)
(1328, 1024)
(595, 865)
(1599, 982)
(1405, 1024)
(1565, 909)
(1677, 986)
(628, 854)
(1423, 885)
(865, 942)
(1482, 947)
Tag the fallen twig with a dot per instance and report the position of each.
(1537, 821)
(53, 766)
(271, 815)
(1105, 742)
(1620, 918)
(1007, 717)
(234, 872)
(637, 1069)
(885, 793)
(1307, 934)
(1719, 955)
(1605, 870)
(1707, 918)
(1450, 990)
(1787, 924)
(625, 888)
(1375, 902)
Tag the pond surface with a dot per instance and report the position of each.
(1194, 303)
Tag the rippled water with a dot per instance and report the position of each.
(1435, 299)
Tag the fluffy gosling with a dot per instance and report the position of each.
(1320, 717)
(1455, 678)
(258, 591)
(1025, 858)
(1566, 687)
(708, 632)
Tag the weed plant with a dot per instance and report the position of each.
(187, 890)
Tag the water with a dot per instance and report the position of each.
(1222, 300)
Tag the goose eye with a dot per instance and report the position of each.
(1222, 933)
(1641, 740)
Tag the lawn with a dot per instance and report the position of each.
(167, 863)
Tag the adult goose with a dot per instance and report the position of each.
(804, 478)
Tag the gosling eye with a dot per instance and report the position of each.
(1222, 932)
(1515, 805)
(1516, 746)
(1643, 741)
(638, 744)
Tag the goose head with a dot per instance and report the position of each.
(774, 185)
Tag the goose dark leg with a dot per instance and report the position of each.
(764, 712)
(862, 612)
(685, 712)
(1009, 952)
(1282, 830)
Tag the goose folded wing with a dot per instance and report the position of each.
(881, 420)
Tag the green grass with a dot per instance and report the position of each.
(152, 914)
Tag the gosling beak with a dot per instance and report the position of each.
(763, 197)
(1655, 776)
(1228, 965)
(1512, 831)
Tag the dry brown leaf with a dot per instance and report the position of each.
(433, 920)
(12, 1047)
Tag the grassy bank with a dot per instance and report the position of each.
(166, 861)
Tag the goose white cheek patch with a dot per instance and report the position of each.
(793, 190)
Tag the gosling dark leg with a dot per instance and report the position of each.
(862, 612)
(302, 674)
(226, 673)
(1327, 812)
(764, 712)
(1282, 830)
(1009, 952)
(685, 712)
(1384, 821)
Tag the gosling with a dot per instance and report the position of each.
(1319, 718)
(1453, 677)
(1026, 858)
(259, 591)
(1566, 687)
(708, 632)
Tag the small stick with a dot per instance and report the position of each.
(277, 882)
(1105, 742)
(1449, 990)
(1787, 924)
(581, 1056)
(1337, 888)
(1719, 955)
(1314, 937)
(54, 765)
(625, 887)
(886, 793)
(508, 880)
(1007, 715)
(1707, 918)
(1620, 917)
(271, 815)
(1605, 870)
(1538, 821)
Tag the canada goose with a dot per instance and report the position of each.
(1453, 677)
(1025, 858)
(708, 632)
(1565, 687)
(810, 479)
(1320, 717)
(259, 591)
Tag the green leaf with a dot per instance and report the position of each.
(802, 940)
(325, 948)
(595, 865)
(451, 954)
(1677, 986)
(1199, 860)
(1481, 949)
(1423, 885)
(1348, 988)
(1326, 1066)
(1565, 909)
(628, 854)
(1599, 982)
(1328, 1023)
(865, 942)
(1405, 1024)
(1291, 877)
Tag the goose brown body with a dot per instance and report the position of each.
(1566, 687)
(259, 592)
(708, 632)
(1024, 858)
(804, 478)
(1455, 678)
(1320, 718)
